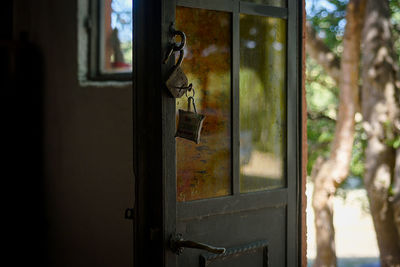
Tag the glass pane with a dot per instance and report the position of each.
(277, 3)
(262, 102)
(204, 170)
(116, 52)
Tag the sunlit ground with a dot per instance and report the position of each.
(355, 236)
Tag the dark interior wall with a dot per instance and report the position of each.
(87, 135)
(6, 18)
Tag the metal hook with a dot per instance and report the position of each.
(190, 88)
(194, 105)
(174, 47)
(180, 59)
(170, 51)
(182, 42)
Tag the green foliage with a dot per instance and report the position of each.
(395, 19)
(127, 52)
(321, 91)
(357, 157)
(391, 137)
(394, 142)
(321, 94)
(328, 19)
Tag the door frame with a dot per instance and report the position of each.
(153, 151)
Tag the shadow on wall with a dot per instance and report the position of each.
(21, 76)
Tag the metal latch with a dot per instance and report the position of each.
(129, 214)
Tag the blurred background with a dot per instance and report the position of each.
(352, 90)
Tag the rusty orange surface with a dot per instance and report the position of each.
(204, 170)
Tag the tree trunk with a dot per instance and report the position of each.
(328, 175)
(396, 192)
(380, 110)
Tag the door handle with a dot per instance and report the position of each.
(177, 245)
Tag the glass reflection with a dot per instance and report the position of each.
(204, 170)
(262, 102)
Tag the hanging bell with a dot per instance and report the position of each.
(190, 123)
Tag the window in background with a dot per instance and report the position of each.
(111, 40)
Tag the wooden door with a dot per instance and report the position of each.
(239, 188)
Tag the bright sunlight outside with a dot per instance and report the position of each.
(353, 185)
